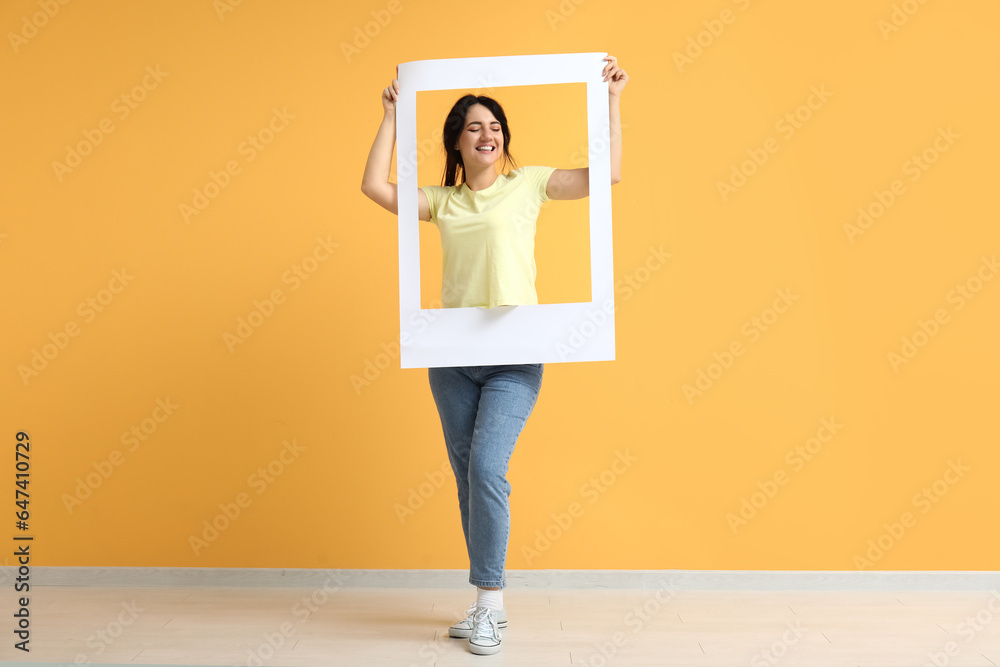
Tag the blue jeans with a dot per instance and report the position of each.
(483, 410)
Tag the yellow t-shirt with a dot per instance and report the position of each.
(488, 238)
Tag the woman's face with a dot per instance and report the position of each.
(482, 131)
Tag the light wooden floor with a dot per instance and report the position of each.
(408, 627)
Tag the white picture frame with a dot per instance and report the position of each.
(543, 333)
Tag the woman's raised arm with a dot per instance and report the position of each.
(375, 183)
(575, 183)
(616, 78)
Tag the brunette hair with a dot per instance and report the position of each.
(454, 124)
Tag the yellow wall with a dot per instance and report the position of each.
(167, 291)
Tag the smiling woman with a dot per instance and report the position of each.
(487, 224)
(486, 221)
(563, 232)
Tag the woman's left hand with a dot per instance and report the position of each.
(615, 75)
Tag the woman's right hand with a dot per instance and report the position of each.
(389, 97)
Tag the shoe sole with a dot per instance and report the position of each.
(484, 650)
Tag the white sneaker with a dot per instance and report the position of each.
(463, 629)
(485, 639)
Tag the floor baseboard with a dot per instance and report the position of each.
(551, 579)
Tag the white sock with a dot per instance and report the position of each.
(488, 598)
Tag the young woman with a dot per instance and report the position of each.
(487, 225)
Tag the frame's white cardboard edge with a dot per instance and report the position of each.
(545, 333)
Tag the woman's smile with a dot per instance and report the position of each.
(482, 139)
